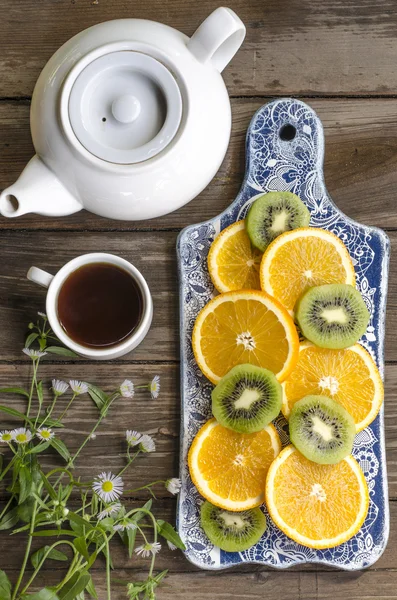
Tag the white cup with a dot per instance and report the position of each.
(54, 284)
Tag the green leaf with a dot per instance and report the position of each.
(25, 483)
(1, 462)
(10, 519)
(130, 536)
(60, 447)
(74, 586)
(14, 390)
(79, 520)
(53, 532)
(30, 339)
(42, 343)
(98, 396)
(167, 531)
(81, 546)
(25, 510)
(80, 596)
(138, 516)
(61, 351)
(5, 587)
(90, 588)
(44, 594)
(54, 554)
(39, 448)
(14, 413)
(40, 395)
(50, 490)
(160, 576)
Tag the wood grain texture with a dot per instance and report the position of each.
(153, 254)
(160, 418)
(293, 47)
(360, 166)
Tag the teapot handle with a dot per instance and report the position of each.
(218, 38)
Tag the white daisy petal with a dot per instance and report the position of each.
(42, 315)
(78, 387)
(21, 435)
(133, 437)
(147, 444)
(125, 525)
(59, 387)
(34, 354)
(45, 434)
(173, 485)
(155, 386)
(127, 389)
(6, 437)
(109, 511)
(171, 546)
(108, 487)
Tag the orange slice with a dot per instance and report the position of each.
(319, 506)
(241, 327)
(229, 469)
(303, 258)
(233, 262)
(348, 376)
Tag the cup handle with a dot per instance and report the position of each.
(39, 276)
(218, 38)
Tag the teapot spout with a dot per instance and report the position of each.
(37, 190)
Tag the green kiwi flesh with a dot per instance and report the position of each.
(321, 429)
(232, 531)
(332, 316)
(272, 214)
(247, 399)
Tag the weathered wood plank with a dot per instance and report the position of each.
(154, 254)
(226, 585)
(159, 418)
(360, 166)
(310, 47)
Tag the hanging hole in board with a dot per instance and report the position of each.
(104, 119)
(287, 132)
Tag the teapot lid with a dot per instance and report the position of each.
(125, 107)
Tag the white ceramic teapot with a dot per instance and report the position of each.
(130, 119)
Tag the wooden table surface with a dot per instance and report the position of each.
(338, 55)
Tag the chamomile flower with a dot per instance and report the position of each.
(42, 315)
(59, 387)
(147, 549)
(6, 437)
(78, 387)
(133, 437)
(109, 511)
(154, 386)
(21, 435)
(109, 487)
(127, 389)
(34, 354)
(171, 546)
(93, 436)
(173, 485)
(125, 525)
(45, 434)
(146, 443)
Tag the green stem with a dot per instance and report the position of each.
(67, 408)
(144, 487)
(3, 512)
(50, 411)
(25, 558)
(32, 386)
(108, 570)
(131, 460)
(35, 572)
(8, 467)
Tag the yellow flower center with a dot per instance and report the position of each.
(21, 438)
(6, 437)
(45, 434)
(107, 486)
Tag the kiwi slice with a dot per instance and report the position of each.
(232, 531)
(274, 213)
(332, 316)
(321, 429)
(247, 399)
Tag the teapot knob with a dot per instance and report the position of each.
(218, 38)
(126, 109)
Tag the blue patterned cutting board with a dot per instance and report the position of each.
(296, 165)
